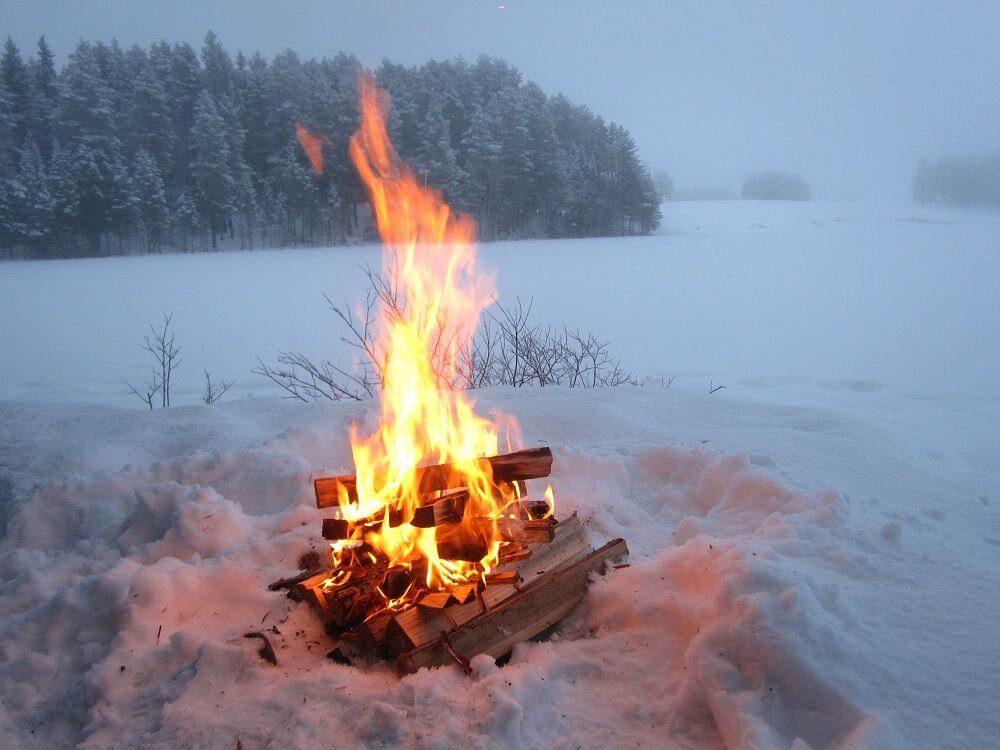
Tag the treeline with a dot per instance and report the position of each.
(144, 150)
(971, 181)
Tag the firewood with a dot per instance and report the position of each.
(527, 532)
(527, 464)
(459, 549)
(513, 552)
(496, 578)
(397, 581)
(462, 594)
(533, 609)
(347, 605)
(436, 599)
(446, 509)
(372, 631)
(416, 627)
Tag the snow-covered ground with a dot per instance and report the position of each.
(815, 548)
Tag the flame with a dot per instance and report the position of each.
(425, 420)
(312, 144)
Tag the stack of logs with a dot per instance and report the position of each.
(543, 572)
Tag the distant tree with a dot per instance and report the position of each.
(44, 95)
(211, 167)
(185, 222)
(32, 210)
(217, 67)
(151, 197)
(664, 183)
(14, 76)
(971, 181)
(779, 186)
(435, 160)
(150, 124)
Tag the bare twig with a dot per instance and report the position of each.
(508, 349)
(214, 391)
(160, 343)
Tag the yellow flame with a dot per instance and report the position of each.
(430, 251)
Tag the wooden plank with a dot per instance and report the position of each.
(534, 609)
(527, 464)
(413, 629)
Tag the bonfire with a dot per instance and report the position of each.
(437, 550)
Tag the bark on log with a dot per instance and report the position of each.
(527, 464)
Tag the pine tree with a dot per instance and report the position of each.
(218, 67)
(435, 159)
(151, 197)
(150, 127)
(34, 206)
(86, 124)
(44, 94)
(65, 201)
(211, 174)
(14, 76)
(184, 85)
(185, 221)
(294, 187)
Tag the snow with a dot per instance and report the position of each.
(814, 548)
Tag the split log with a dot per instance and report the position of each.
(527, 464)
(448, 508)
(536, 607)
(418, 626)
(540, 531)
(348, 605)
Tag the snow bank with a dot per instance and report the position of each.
(746, 618)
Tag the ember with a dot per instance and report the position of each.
(437, 552)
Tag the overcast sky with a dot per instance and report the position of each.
(849, 94)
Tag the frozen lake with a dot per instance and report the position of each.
(728, 292)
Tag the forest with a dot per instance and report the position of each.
(166, 148)
(971, 180)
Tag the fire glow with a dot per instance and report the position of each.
(425, 418)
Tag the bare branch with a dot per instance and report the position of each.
(214, 391)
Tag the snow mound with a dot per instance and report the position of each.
(127, 594)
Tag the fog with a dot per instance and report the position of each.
(848, 95)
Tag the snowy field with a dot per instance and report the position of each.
(815, 548)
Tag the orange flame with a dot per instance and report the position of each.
(312, 144)
(430, 252)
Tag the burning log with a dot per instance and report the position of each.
(533, 463)
(448, 508)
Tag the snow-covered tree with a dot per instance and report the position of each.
(151, 200)
(211, 174)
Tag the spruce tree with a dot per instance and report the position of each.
(44, 94)
(151, 198)
(210, 168)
